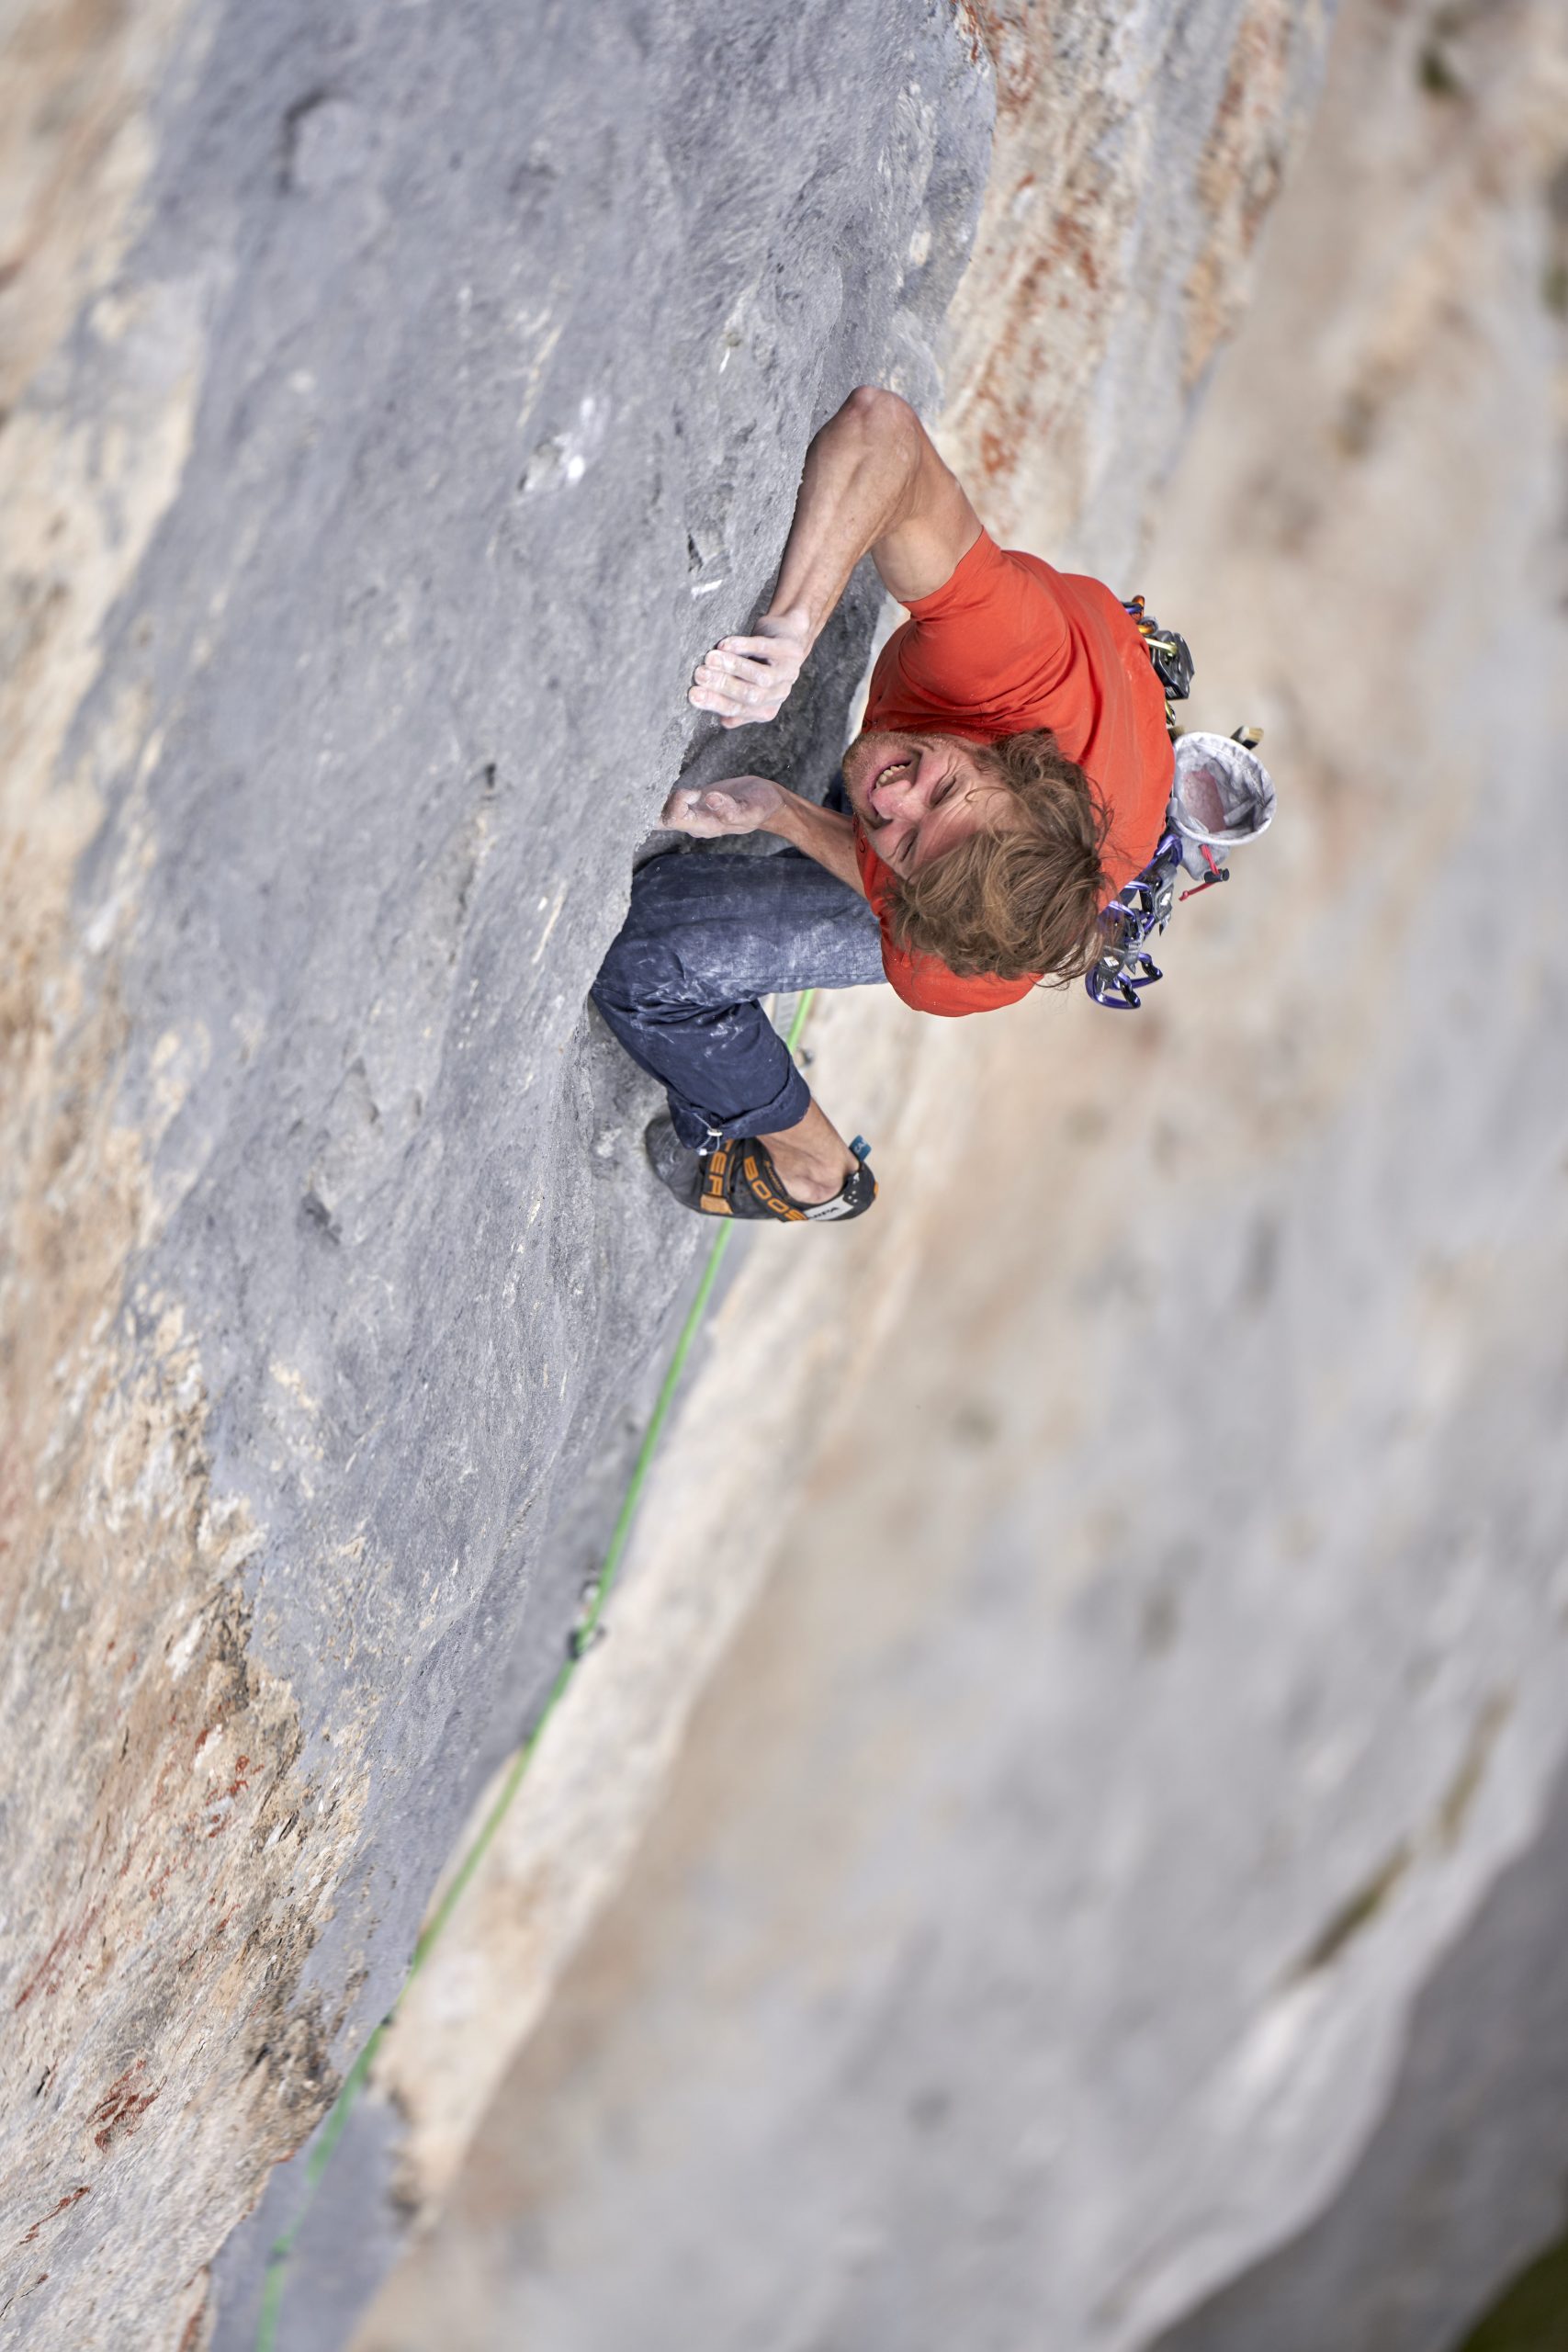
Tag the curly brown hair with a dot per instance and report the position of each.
(1024, 898)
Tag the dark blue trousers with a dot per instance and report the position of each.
(707, 935)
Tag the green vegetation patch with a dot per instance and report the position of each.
(1533, 2314)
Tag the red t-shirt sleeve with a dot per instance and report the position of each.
(989, 646)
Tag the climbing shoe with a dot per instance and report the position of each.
(740, 1179)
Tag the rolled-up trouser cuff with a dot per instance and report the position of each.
(699, 1131)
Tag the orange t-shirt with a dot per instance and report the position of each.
(1006, 645)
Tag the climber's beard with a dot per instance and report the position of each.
(877, 754)
(936, 788)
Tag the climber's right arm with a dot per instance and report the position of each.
(873, 483)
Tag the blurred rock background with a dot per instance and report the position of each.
(1113, 1891)
(1075, 1763)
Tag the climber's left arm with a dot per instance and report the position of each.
(755, 804)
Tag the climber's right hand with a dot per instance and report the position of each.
(741, 804)
(744, 680)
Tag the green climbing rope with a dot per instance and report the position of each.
(587, 1626)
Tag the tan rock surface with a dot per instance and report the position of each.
(165, 1862)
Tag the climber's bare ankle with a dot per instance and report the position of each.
(812, 1157)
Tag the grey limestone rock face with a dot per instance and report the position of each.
(436, 393)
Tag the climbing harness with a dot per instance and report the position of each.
(586, 1634)
(1221, 796)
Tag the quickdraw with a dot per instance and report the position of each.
(1141, 911)
(1171, 655)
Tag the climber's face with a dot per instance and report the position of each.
(916, 796)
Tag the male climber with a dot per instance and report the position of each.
(1012, 775)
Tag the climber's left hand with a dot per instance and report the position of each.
(741, 804)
